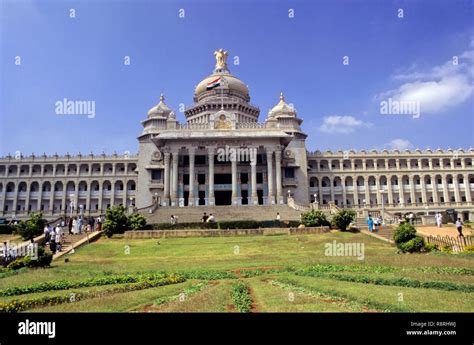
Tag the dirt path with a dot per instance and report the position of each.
(443, 231)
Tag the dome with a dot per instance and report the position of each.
(227, 81)
(160, 110)
(282, 109)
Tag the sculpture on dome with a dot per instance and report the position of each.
(221, 59)
(223, 123)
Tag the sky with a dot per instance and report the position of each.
(337, 61)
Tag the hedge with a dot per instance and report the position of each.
(8, 229)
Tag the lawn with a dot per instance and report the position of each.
(275, 269)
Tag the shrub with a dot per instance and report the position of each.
(430, 247)
(404, 233)
(446, 249)
(8, 229)
(314, 218)
(343, 218)
(32, 227)
(413, 245)
(136, 221)
(241, 297)
(19, 263)
(469, 249)
(116, 221)
(44, 259)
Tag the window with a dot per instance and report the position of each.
(289, 172)
(156, 174)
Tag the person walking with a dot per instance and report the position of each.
(73, 228)
(211, 219)
(459, 225)
(204, 217)
(370, 223)
(70, 225)
(439, 220)
(277, 220)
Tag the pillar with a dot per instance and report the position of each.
(279, 195)
(254, 197)
(210, 197)
(174, 180)
(235, 197)
(270, 198)
(191, 177)
(166, 187)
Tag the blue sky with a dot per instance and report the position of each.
(82, 58)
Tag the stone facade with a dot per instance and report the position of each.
(222, 155)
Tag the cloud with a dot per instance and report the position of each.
(341, 124)
(442, 87)
(399, 144)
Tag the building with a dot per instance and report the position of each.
(223, 155)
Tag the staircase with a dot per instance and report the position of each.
(386, 231)
(194, 214)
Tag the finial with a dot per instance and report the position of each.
(282, 98)
(162, 97)
(221, 59)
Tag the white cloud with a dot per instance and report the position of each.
(442, 87)
(341, 124)
(399, 144)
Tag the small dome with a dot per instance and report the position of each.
(282, 109)
(160, 110)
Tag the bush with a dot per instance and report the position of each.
(19, 263)
(469, 249)
(116, 221)
(44, 259)
(413, 245)
(404, 233)
(314, 218)
(32, 227)
(241, 297)
(429, 247)
(8, 229)
(343, 218)
(136, 221)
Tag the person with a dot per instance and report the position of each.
(70, 225)
(58, 241)
(46, 233)
(376, 223)
(99, 223)
(277, 220)
(370, 223)
(73, 228)
(173, 220)
(204, 217)
(52, 241)
(211, 219)
(459, 225)
(79, 225)
(439, 220)
(410, 218)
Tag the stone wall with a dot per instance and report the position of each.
(137, 234)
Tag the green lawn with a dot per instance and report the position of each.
(269, 291)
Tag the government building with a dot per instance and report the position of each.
(223, 155)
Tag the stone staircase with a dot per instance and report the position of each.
(386, 231)
(194, 214)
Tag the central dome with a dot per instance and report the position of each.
(227, 82)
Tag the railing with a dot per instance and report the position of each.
(189, 126)
(456, 244)
(249, 125)
(295, 206)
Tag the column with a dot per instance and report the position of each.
(424, 195)
(28, 191)
(191, 176)
(124, 197)
(88, 198)
(51, 200)
(101, 191)
(331, 181)
(235, 199)
(389, 190)
(434, 185)
(378, 195)
(210, 197)
(457, 193)
(254, 197)
(344, 194)
(63, 201)
(166, 187)
(445, 188)
(401, 194)
(467, 188)
(4, 197)
(356, 190)
(411, 179)
(279, 196)
(174, 179)
(270, 198)
(367, 189)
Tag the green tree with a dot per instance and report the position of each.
(116, 221)
(404, 233)
(343, 218)
(136, 221)
(314, 218)
(32, 227)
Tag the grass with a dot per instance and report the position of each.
(218, 262)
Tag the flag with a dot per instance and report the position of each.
(213, 84)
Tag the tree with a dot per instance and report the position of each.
(404, 233)
(136, 221)
(343, 218)
(116, 221)
(32, 227)
(314, 218)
